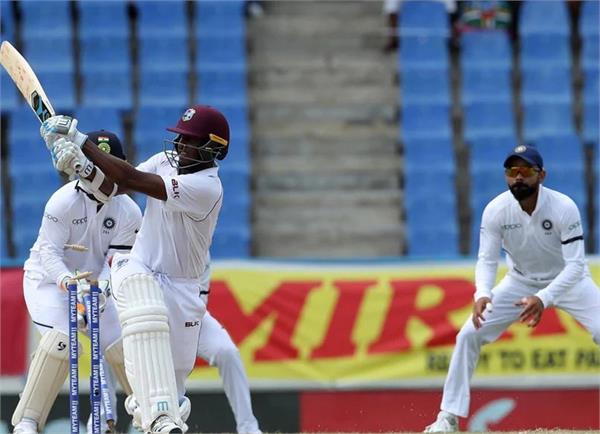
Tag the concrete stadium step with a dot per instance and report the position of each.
(330, 241)
(311, 182)
(329, 198)
(308, 59)
(324, 8)
(307, 76)
(326, 166)
(305, 25)
(300, 95)
(344, 164)
(356, 112)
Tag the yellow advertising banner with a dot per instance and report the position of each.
(333, 325)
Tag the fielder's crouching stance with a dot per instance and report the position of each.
(74, 215)
(541, 232)
(157, 287)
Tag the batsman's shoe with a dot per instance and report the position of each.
(164, 424)
(26, 426)
(445, 422)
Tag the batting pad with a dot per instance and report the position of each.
(147, 349)
(116, 359)
(47, 373)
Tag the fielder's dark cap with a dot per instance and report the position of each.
(200, 121)
(527, 153)
(108, 142)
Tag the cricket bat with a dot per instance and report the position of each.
(26, 81)
(28, 84)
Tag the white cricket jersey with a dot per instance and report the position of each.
(176, 234)
(544, 249)
(72, 217)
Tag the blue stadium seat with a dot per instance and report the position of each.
(25, 146)
(423, 52)
(591, 90)
(486, 119)
(546, 119)
(98, 18)
(222, 17)
(425, 86)
(591, 114)
(437, 241)
(424, 18)
(425, 121)
(590, 53)
(569, 180)
(27, 217)
(150, 129)
(107, 89)
(235, 211)
(490, 152)
(38, 182)
(424, 181)
(239, 132)
(105, 54)
(543, 16)
(9, 99)
(589, 18)
(561, 150)
(39, 18)
(101, 118)
(230, 243)
(163, 52)
(50, 54)
(486, 85)
(425, 211)
(162, 18)
(221, 86)
(3, 226)
(220, 51)
(429, 152)
(545, 51)
(60, 88)
(551, 85)
(7, 21)
(485, 50)
(487, 182)
(163, 89)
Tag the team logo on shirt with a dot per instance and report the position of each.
(547, 225)
(108, 224)
(175, 186)
(192, 323)
(120, 263)
(189, 114)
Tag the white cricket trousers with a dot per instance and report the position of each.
(216, 347)
(582, 302)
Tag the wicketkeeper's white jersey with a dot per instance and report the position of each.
(72, 217)
(176, 234)
(544, 249)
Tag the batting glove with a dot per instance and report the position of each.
(61, 126)
(69, 158)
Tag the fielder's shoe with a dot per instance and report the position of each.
(445, 422)
(26, 426)
(163, 424)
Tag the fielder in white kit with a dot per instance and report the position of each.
(73, 216)
(541, 232)
(158, 286)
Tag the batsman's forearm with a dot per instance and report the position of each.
(117, 170)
